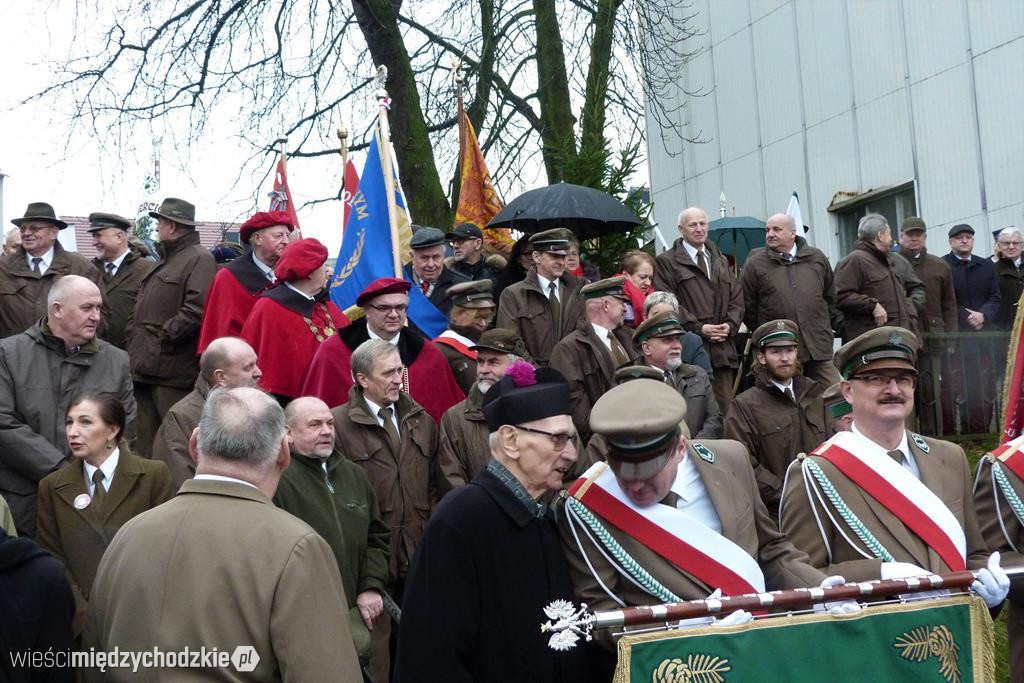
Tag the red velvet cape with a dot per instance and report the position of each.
(230, 300)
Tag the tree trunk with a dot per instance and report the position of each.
(558, 135)
(592, 139)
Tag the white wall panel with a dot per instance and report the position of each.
(727, 17)
(700, 115)
(885, 152)
(762, 8)
(743, 186)
(778, 76)
(784, 173)
(734, 80)
(994, 22)
(936, 36)
(825, 61)
(999, 77)
(875, 47)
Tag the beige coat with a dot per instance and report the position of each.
(218, 567)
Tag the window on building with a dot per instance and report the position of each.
(895, 203)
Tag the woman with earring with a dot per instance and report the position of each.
(82, 505)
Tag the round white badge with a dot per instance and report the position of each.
(82, 501)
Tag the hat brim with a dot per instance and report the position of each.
(479, 303)
(59, 224)
(176, 219)
(779, 342)
(885, 364)
(628, 470)
(495, 349)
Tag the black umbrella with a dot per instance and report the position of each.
(584, 210)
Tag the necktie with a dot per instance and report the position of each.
(110, 270)
(389, 427)
(425, 286)
(702, 263)
(36, 268)
(556, 307)
(789, 394)
(896, 455)
(99, 494)
(618, 353)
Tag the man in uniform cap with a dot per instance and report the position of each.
(123, 265)
(464, 449)
(237, 286)
(838, 411)
(782, 414)
(659, 341)
(495, 547)
(291, 320)
(601, 343)
(164, 332)
(699, 498)
(28, 273)
(467, 242)
(472, 312)
(899, 504)
(426, 376)
(427, 270)
(546, 305)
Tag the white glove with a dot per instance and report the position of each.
(903, 570)
(732, 619)
(736, 618)
(836, 607)
(992, 583)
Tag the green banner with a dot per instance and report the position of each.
(948, 640)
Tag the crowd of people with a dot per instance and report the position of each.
(197, 454)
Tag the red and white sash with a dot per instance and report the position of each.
(867, 465)
(671, 533)
(457, 342)
(1010, 455)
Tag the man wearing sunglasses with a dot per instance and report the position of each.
(897, 504)
(426, 376)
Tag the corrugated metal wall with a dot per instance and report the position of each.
(822, 96)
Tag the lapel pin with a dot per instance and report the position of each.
(82, 501)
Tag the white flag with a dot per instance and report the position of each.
(794, 210)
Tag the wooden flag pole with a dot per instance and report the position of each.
(384, 145)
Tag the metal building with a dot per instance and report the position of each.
(900, 107)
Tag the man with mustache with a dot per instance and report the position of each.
(782, 414)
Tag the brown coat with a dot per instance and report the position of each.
(171, 443)
(703, 302)
(122, 290)
(164, 328)
(802, 290)
(79, 537)
(23, 293)
(524, 307)
(944, 470)
(774, 429)
(732, 489)
(588, 366)
(407, 483)
(226, 567)
(940, 298)
(464, 450)
(865, 278)
(703, 418)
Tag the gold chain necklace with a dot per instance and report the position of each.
(318, 334)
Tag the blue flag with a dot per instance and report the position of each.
(367, 252)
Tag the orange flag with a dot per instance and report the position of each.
(478, 200)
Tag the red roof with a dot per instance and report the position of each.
(210, 233)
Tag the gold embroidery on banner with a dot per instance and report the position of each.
(696, 669)
(923, 643)
(352, 262)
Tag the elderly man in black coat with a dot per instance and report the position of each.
(490, 559)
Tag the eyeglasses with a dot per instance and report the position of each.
(486, 315)
(559, 440)
(397, 308)
(1010, 244)
(879, 381)
(34, 228)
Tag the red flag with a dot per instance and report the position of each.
(281, 197)
(349, 190)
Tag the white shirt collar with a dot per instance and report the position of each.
(108, 467)
(545, 286)
(909, 461)
(373, 335)
(692, 250)
(783, 387)
(45, 264)
(375, 411)
(119, 260)
(267, 270)
(792, 252)
(602, 334)
(1016, 262)
(300, 292)
(221, 477)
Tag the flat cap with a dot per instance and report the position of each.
(264, 219)
(780, 332)
(912, 223)
(959, 228)
(555, 240)
(502, 340)
(464, 231)
(610, 286)
(426, 237)
(299, 259)
(640, 421)
(101, 221)
(630, 372)
(663, 324)
(526, 394)
(472, 294)
(383, 285)
(836, 404)
(882, 347)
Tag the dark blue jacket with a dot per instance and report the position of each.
(975, 285)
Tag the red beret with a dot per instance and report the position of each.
(383, 285)
(264, 219)
(300, 258)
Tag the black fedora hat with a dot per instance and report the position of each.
(177, 210)
(40, 211)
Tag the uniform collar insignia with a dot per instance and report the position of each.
(703, 451)
(920, 442)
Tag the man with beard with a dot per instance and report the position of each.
(782, 414)
(464, 450)
(427, 270)
(237, 286)
(658, 339)
(589, 356)
(472, 313)
(467, 242)
(332, 494)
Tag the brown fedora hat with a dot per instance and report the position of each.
(40, 211)
(177, 210)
